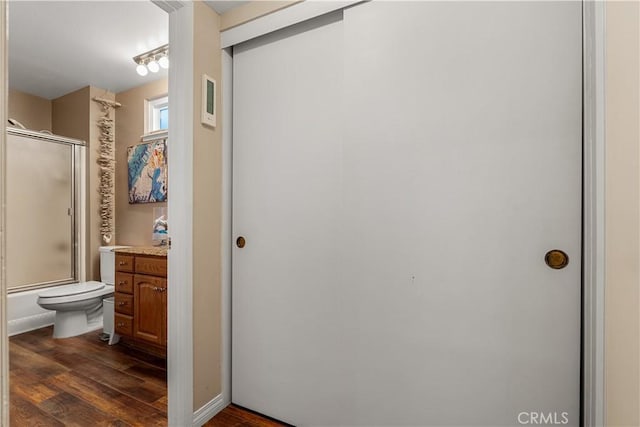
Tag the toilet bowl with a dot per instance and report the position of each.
(78, 306)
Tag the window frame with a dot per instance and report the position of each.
(152, 113)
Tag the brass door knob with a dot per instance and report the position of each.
(556, 259)
(240, 242)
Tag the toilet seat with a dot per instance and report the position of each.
(74, 289)
(73, 293)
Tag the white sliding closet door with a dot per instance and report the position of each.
(399, 177)
(288, 312)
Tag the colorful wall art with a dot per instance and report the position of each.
(148, 172)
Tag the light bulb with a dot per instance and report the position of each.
(164, 62)
(142, 70)
(153, 66)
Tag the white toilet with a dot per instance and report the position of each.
(78, 306)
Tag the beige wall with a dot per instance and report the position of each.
(251, 11)
(70, 114)
(30, 110)
(133, 222)
(75, 115)
(622, 293)
(207, 213)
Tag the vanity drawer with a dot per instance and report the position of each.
(151, 265)
(124, 303)
(124, 282)
(124, 324)
(124, 263)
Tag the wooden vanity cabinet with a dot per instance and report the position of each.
(141, 298)
(150, 323)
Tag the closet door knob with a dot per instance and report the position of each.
(240, 242)
(556, 259)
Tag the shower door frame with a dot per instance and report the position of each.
(78, 203)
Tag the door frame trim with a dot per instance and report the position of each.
(592, 399)
(4, 338)
(227, 221)
(180, 411)
(592, 354)
(279, 19)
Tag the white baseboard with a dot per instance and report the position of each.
(208, 410)
(31, 323)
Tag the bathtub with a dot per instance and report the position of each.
(24, 314)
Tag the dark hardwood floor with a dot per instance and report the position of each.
(82, 381)
(235, 416)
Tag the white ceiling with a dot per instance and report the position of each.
(56, 47)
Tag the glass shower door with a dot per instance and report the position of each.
(40, 212)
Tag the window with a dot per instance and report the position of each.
(157, 114)
(164, 117)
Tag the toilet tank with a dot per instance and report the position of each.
(108, 264)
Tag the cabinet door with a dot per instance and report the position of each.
(124, 303)
(124, 263)
(155, 266)
(123, 325)
(124, 282)
(150, 309)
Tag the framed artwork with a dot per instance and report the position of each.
(147, 164)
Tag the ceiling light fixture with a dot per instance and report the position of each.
(142, 70)
(153, 66)
(152, 60)
(164, 61)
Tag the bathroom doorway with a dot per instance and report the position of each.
(53, 71)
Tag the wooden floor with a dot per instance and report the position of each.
(234, 416)
(82, 381)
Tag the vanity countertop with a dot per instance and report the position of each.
(144, 250)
